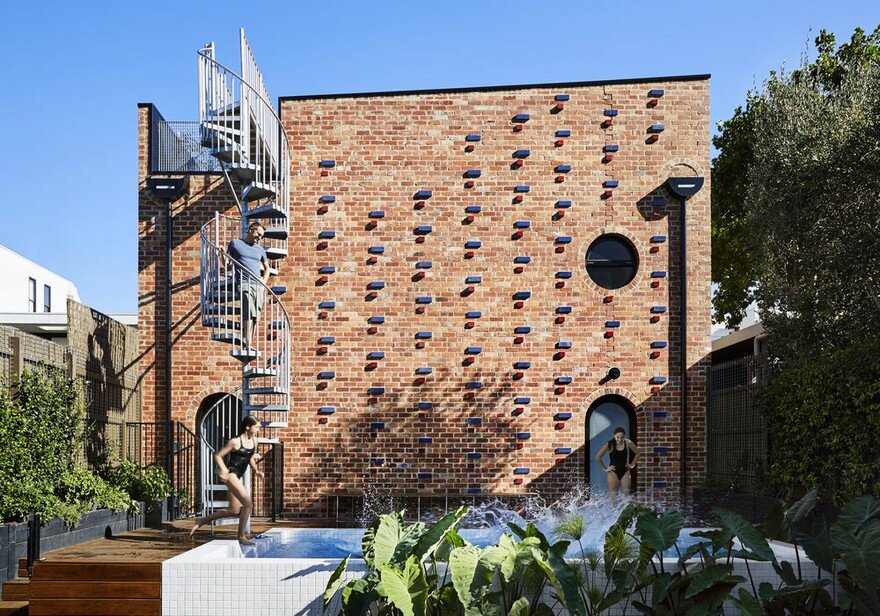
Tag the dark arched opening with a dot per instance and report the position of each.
(603, 416)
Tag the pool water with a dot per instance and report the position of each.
(337, 543)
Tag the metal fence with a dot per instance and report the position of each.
(176, 147)
(737, 431)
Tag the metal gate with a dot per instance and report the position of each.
(219, 423)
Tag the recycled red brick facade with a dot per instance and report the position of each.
(388, 147)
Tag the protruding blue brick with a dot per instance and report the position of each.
(562, 168)
(376, 391)
(659, 484)
(376, 250)
(521, 117)
(474, 455)
(563, 380)
(610, 113)
(473, 280)
(522, 188)
(522, 260)
(327, 305)
(376, 320)
(327, 269)
(376, 284)
(658, 202)
(562, 416)
(328, 163)
(425, 440)
(522, 365)
(563, 310)
(563, 344)
(522, 400)
(563, 275)
(424, 370)
(611, 147)
(656, 128)
(562, 451)
(473, 173)
(326, 340)
(473, 138)
(474, 490)
(279, 289)
(522, 153)
(327, 375)
(657, 380)
(376, 355)
(473, 350)
(522, 470)
(612, 324)
(658, 309)
(473, 209)
(523, 329)
(376, 461)
(658, 274)
(423, 335)
(423, 229)
(563, 133)
(658, 239)
(522, 224)
(473, 385)
(563, 204)
(423, 194)
(475, 421)
(660, 414)
(522, 295)
(610, 184)
(473, 245)
(327, 199)
(655, 93)
(424, 406)
(326, 410)
(523, 435)
(658, 344)
(377, 214)
(563, 239)
(561, 97)
(661, 450)
(424, 299)
(424, 476)
(424, 265)
(327, 235)
(473, 314)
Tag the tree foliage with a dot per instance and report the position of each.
(795, 186)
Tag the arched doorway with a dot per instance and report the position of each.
(604, 415)
(218, 421)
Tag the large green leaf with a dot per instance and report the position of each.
(860, 553)
(335, 582)
(562, 578)
(394, 539)
(802, 508)
(473, 570)
(858, 512)
(749, 536)
(713, 575)
(814, 536)
(748, 604)
(774, 519)
(520, 607)
(693, 550)
(357, 596)
(436, 534)
(659, 533)
(517, 557)
(368, 542)
(857, 598)
(404, 588)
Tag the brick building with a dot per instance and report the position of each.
(465, 269)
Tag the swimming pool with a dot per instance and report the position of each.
(286, 572)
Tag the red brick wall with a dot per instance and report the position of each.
(388, 147)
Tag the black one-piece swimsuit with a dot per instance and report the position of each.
(619, 459)
(239, 459)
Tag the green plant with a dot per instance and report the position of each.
(150, 484)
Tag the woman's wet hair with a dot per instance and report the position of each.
(247, 422)
(619, 429)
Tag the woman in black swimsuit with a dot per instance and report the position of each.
(240, 450)
(618, 449)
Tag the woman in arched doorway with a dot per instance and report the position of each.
(241, 450)
(622, 455)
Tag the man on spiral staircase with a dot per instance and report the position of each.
(248, 252)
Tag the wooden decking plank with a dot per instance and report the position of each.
(97, 590)
(16, 590)
(100, 571)
(95, 607)
(14, 608)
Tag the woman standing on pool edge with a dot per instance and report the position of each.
(618, 449)
(240, 450)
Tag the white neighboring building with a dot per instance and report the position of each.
(28, 287)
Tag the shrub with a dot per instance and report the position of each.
(150, 484)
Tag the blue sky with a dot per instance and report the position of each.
(75, 71)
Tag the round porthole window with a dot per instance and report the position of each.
(612, 261)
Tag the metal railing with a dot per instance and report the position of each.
(229, 295)
(185, 457)
(175, 147)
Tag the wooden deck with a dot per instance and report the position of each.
(112, 576)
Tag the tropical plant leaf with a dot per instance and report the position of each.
(858, 512)
(520, 607)
(543, 610)
(517, 557)
(748, 604)
(860, 553)
(813, 534)
(517, 530)
(335, 582)
(436, 534)
(857, 598)
(802, 508)
(394, 539)
(660, 586)
(405, 588)
(357, 596)
(786, 573)
(368, 542)
(707, 577)
(659, 533)
(749, 536)
(562, 579)
(774, 519)
(693, 550)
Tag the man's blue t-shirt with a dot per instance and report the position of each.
(252, 256)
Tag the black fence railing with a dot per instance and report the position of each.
(176, 147)
(268, 490)
(185, 462)
(737, 431)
